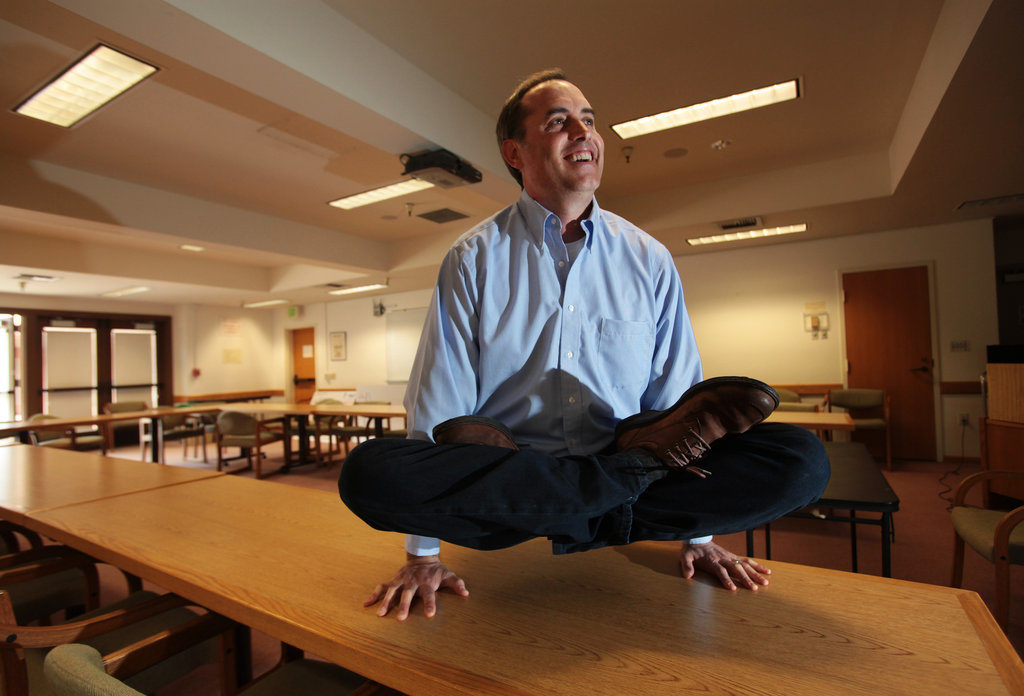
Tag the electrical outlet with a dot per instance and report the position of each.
(965, 419)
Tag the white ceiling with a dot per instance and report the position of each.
(263, 111)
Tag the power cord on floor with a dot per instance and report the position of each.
(946, 492)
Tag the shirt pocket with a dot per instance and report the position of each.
(626, 349)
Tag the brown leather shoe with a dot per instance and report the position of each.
(707, 411)
(474, 430)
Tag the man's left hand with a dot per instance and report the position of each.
(730, 569)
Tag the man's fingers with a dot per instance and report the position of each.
(429, 602)
(456, 585)
(389, 598)
(405, 603)
(375, 595)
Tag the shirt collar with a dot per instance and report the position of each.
(536, 217)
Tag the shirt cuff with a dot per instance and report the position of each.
(424, 546)
(698, 540)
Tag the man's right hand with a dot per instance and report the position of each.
(421, 576)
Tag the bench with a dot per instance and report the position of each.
(856, 485)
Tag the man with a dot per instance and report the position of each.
(560, 379)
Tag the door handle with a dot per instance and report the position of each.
(298, 380)
(923, 368)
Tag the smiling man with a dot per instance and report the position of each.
(559, 379)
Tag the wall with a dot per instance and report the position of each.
(234, 350)
(365, 363)
(747, 308)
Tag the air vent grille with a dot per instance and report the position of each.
(739, 223)
(995, 200)
(442, 215)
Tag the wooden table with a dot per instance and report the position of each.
(301, 413)
(813, 420)
(103, 420)
(33, 479)
(296, 565)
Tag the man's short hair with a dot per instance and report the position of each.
(510, 120)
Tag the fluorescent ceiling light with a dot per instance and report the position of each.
(86, 86)
(358, 288)
(744, 101)
(191, 247)
(134, 290)
(381, 194)
(747, 234)
(264, 303)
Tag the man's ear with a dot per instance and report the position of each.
(510, 151)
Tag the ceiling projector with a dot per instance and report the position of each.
(441, 168)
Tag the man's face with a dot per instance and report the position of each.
(560, 153)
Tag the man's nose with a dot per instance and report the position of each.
(578, 130)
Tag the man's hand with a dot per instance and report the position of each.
(725, 565)
(420, 576)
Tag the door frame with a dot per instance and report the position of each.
(289, 358)
(933, 322)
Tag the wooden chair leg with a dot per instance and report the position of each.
(958, 561)
(1002, 608)
(259, 459)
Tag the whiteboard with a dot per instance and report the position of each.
(403, 330)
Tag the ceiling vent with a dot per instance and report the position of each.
(739, 223)
(997, 200)
(442, 215)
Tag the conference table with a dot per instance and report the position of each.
(295, 564)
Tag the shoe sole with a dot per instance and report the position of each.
(643, 419)
(447, 425)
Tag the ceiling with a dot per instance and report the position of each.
(263, 111)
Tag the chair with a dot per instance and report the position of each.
(790, 401)
(235, 429)
(80, 670)
(64, 438)
(187, 640)
(351, 428)
(322, 425)
(121, 426)
(996, 535)
(869, 409)
(176, 426)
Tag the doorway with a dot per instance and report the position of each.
(303, 364)
(889, 346)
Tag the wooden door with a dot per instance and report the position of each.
(304, 365)
(889, 346)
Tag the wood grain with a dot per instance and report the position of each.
(295, 564)
(39, 478)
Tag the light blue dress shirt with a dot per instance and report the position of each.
(559, 349)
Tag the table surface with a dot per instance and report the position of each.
(366, 410)
(815, 420)
(11, 427)
(295, 564)
(40, 478)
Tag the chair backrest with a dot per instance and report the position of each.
(856, 398)
(125, 406)
(236, 423)
(41, 435)
(787, 395)
(74, 669)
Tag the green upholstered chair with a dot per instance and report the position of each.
(235, 429)
(121, 432)
(81, 670)
(997, 535)
(192, 639)
(64, 438)
(790, 401)
(176, 426)
(869, 409)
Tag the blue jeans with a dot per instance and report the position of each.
(486, 497)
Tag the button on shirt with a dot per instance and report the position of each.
(557, 342)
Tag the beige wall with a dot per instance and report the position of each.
(747, 308)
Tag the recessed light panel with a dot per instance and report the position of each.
(381, 194)
(84, 87)
(754, 99)
(747, 234)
